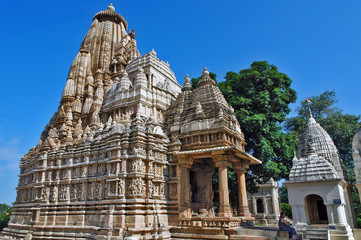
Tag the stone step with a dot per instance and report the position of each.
(316, 232)
(318, 227)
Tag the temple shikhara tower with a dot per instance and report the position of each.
(130, 152)
(318, 192)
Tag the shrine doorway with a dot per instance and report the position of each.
(260, 208)
(200, 181)
(316, 209)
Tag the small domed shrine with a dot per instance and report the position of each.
(130, 152)
(318, 193)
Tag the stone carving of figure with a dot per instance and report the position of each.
(150, 188)
(188, 194)
(45, 193)
(83, 192)
(121, 187)
(54, 195)
(83, 173)
(150, 167)
(100, 190)
(74, 192)
(161, 189)
(64, 194)
(137, 187)
(91, 190)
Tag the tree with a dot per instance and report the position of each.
(340, 126)
(261, 96)
(5, 213)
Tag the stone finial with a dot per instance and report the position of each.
(153, 52)
(205, 79)
(111, 8)
(187, 83)
(205, 72)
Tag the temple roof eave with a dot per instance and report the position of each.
(215, 150)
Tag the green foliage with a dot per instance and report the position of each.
(5, 213)
(286, 208)
(261, 96)
(356, 204)
(196, 80)
(283, 194)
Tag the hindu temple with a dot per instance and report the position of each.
(129, 152)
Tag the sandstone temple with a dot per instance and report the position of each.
(130, 152)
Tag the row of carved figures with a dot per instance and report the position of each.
(92, 170)
(118, 188)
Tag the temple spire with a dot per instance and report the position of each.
(187, 83)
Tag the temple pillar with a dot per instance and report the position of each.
(330, 214)
(302, 214)
(224, 207)
(265, 207)
(186, 191)
(254, 204)
(341, 218)
(243, 209)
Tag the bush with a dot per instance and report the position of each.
(5, 213)
(286, 208)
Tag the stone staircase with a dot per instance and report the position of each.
(316, 232)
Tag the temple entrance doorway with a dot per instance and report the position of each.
(316, 209)
(200, 180)
(260, 206)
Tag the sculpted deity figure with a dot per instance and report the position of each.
(83, 173)
(83, 192)
(64, 194)
(74, 192)
(161, 189)
(150, 167)
(121, 187)
(188, 194)
(150, 188)
(45, 193)
(54, 195)
(91, 190)
(100, 190)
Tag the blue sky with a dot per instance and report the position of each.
(316, 43)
